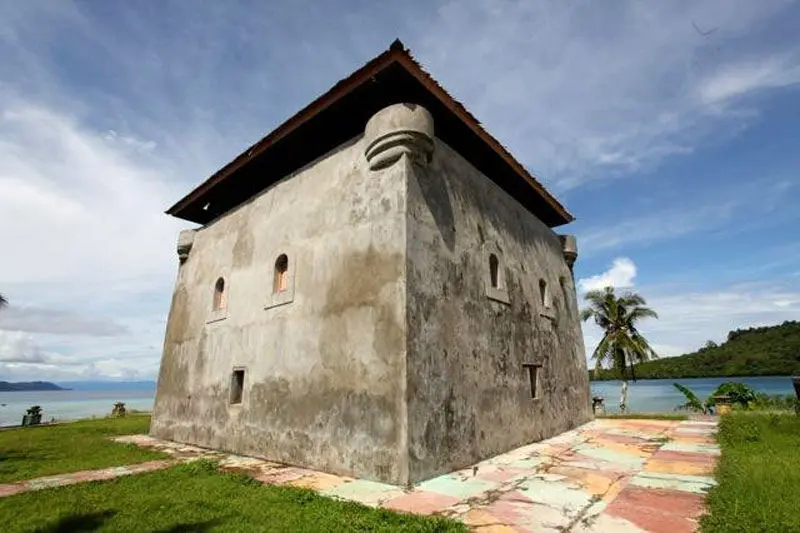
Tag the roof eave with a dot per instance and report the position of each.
(473, 124)
(396, 53)
(324, 101)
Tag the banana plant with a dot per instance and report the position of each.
(693, 403)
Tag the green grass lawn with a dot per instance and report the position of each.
(758, 475)
(31, 452)
(195, 497)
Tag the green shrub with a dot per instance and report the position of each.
(776, 402)
(739, 393)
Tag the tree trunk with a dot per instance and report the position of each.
(623, 396)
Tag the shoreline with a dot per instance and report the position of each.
(776, 376)
(58, 421)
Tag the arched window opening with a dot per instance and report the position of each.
(564, 291)
(544, 294)
(493, 271)
(281, 274)
(219, 294)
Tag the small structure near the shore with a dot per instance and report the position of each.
(722, 403)
(33, 416)
(119, 409)
(598, 405)
(376, 290)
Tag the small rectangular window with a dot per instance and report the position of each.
(237, 386)
(533, 375)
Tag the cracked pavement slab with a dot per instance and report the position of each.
(610, 475)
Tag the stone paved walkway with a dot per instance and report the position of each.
(73, 478)
(626, 476)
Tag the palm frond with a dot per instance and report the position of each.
(693, 403)
(635, 314)
(631, 299)
(645, 351)
(603, 351)
(596, 296)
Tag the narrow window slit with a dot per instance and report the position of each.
(544, 295)
(281, 283)
(533, 374)
(237, 386)
(219, 294)
(493, 271)
(565, 292)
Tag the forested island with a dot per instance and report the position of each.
(6, 386)
(765, 351)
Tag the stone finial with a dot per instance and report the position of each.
(569, 247)
(185, 242)
(397, 130)
(397, 45)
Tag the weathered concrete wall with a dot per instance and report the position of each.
(391, 356)
(324, 373)
(469, 396)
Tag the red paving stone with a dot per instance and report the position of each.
(421, 502)
(10, 490)
(650, 519)
(510, 507)
(84, 476)
(685, 504)
(689, 457)
(621, 439)
(692, 439)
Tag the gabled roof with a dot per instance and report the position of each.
(340, 115)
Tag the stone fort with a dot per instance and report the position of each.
(375, 289)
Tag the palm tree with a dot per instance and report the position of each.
(622, 346)
(3, 301)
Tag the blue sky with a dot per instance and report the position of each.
(668, 128)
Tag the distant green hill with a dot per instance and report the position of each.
(5, 386)
(768, 351)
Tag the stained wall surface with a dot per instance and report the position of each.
(469, 393)
(395, 354)
(324, 361)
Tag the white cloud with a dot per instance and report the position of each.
(590, 92)
(104, 123)
(33, 320)
(28, 357)
(714, 211)
(74, 206)
(662, 225)
(84, 239)
(740, 79)
(17, 347)
(699, 316)
(620, 275)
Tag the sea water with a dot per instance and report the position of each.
(645, 396)
(70, 404)
(660, 396)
